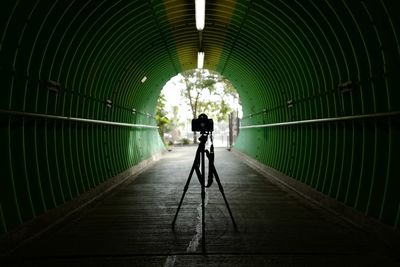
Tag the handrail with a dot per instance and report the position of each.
(54, 117)
(345, 118)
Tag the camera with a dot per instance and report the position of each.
(202, 124)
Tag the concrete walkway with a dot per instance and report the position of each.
(132, 225)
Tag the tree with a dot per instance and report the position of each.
(174, 124)
(161, 118)
(206, 92)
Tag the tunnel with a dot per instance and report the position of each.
(318, 81)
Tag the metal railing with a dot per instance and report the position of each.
(345, 118)
(66, 118)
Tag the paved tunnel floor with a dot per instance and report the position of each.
(132, 225)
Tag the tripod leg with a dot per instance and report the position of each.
(203, 215)
(221, 189)
(203, 196)
(184, 193)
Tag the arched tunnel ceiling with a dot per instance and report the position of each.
(290, 61)
(272, 51)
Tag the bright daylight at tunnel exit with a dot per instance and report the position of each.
(187, 95)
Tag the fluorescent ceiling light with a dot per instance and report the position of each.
(200, 6)
(200, 60)
(144, 79)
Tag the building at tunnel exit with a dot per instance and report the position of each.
(319, 82)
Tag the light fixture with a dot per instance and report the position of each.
(200, 60)
(53, 86)
(108, 103)
(144, 79)
(200, 6)
(346, 87)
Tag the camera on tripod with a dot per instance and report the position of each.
(202, 124)
(205, 126)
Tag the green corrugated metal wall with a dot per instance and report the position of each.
(97, 51)
(312, 49)
(273, 52)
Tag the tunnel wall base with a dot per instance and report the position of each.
(384, 232)
(40, 224)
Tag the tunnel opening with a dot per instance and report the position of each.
(191, 93)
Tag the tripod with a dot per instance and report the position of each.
(198, 164)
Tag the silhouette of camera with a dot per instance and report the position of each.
(202, 124)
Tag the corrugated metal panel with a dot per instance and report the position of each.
(318, 47)
(94, 52)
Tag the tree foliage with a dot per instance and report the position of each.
(206, 92)
(203, 91)
(161, 115)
